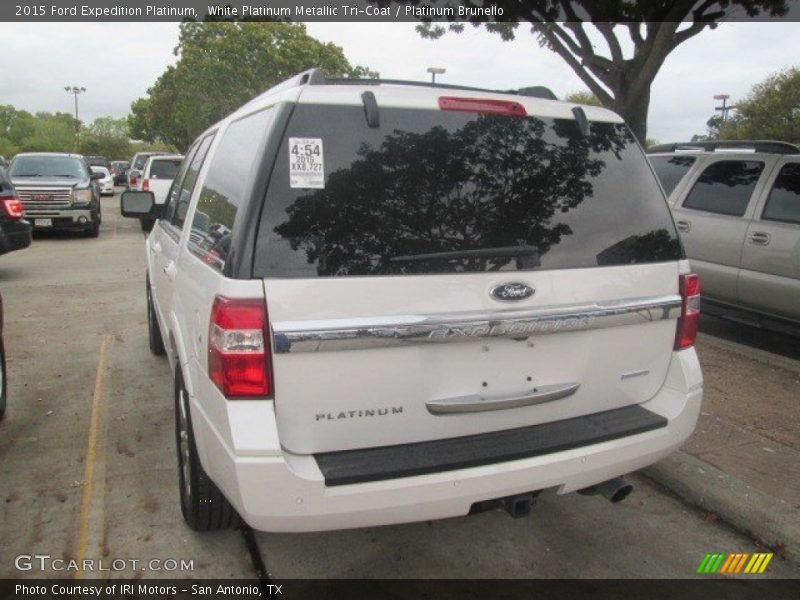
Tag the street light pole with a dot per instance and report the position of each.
(724, 108)
(434, 71)
(75, 90)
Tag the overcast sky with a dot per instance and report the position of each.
(117, 62)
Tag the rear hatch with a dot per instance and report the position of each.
(443, 273)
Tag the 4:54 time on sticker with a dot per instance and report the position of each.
(306, 150)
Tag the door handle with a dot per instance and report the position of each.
(169, 270)
(684, 226)
(477, 403)
(760, 238)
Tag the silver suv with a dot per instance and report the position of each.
(737, 207)
(388, 302)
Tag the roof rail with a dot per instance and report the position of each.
(764, 146)
(534, 92)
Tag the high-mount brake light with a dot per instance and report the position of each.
(482, 105)
(239, 358)
(686, 334)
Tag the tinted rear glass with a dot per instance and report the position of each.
(164, 169)
(784, 199)
(447, 192)
(725, 187)
(140, 161)
(671, 169)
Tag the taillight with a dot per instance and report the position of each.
(12, 207)
(239, 359)
(483, 105)
(145, 184)
(689, 287)
(133, 179)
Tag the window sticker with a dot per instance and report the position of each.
(306, 163)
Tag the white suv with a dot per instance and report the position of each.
(389, 302)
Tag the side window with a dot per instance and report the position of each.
(783, 203)
(177, 183)
(225, 187)
(671, 169)
(725, 187)
(187, 187)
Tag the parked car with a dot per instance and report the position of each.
(737, 207)
(3, 379)
(106, 184)
(99, 161)
(137, 166)
(120, 171)
(15, 231)
(157, 176)
(391, 303)
(57, 191)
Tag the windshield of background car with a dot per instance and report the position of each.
(47, 166)
(165, 169)
(446, 192)
(102, 170)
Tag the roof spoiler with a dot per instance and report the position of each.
(316, 77)
(763, 146)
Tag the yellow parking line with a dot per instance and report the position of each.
(91, 456)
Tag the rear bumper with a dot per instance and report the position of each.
(285, 492)
(14, 235)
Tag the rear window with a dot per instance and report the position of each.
(164, 169)
(433, 192)
(140, 161)
(725, 187)
(783, 203)
(671, 169)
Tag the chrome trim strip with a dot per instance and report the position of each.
(476, 403)
(381, 332)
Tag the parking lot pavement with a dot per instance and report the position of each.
(89, 463)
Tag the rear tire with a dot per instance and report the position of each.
(203, 506)
(153, 331)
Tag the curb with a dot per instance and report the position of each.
(772, 522)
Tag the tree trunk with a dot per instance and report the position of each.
(633, 110)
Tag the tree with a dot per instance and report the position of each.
(221, 66)
(107, 137)
(771, 111)
(655, 28)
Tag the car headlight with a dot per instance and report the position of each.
(82, 196)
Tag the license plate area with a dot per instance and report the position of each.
(43, 222)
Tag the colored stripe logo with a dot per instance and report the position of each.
(734, 564)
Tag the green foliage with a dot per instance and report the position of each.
(582, 97)
(221, 66)
(106, 137)
(771, 111)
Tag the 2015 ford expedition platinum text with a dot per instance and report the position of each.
(388, 302)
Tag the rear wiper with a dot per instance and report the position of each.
(482, 253)
(72, 176)
(28, 175)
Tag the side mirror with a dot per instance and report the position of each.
(95, 176)
(140, 204)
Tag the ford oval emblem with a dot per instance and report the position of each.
(512, 291)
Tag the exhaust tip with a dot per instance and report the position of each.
(614, 490)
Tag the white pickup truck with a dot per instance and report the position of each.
(388, 302)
